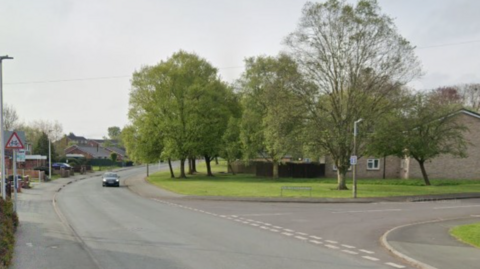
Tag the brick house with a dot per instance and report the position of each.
(442, 167)
(89, 152)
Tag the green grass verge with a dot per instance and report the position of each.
(469, 234)
(244, 185)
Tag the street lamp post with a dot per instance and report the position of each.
(49, 156)
(2, 151)
(355, 154)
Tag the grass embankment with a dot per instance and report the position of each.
(8, 225)
(469, 234)
(243, 185)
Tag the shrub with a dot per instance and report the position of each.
(8, 225)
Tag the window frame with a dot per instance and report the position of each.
(373, 161)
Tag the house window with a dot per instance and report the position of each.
(373, 164)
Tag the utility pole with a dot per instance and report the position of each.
(2, 151)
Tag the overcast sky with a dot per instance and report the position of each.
(74, 58)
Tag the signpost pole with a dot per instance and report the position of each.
(15, 180)
(355, 154)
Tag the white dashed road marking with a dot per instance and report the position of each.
(288, 230)
(287, 234)
(316, 242)
(395, 265)
(275, 231)
(367, 251)
(331, 241)
(315, 237)
(331, 246)
(350, 252)
(301, 237)
(301, 233)
(370, 258)
(348, 246)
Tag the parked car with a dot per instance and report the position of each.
(58, 166)
(111, 179)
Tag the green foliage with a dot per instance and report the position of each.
(356, 62)
(113, 156)
(178, 108)
(271, 121)
(41, 146)
(8, 225)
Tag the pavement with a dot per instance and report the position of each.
(425, 245)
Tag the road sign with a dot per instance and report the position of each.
(14, 142)
(353, 160)
(21, 156)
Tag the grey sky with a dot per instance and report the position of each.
(55, 40)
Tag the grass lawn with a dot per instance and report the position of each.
(469, 234)
(243, 185)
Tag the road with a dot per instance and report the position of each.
(115, 228)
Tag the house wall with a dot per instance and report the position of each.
(393, 167)
(449, 167)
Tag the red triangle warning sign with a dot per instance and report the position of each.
(14, 142)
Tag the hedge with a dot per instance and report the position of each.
(8, 225)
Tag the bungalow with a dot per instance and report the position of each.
(442, 167)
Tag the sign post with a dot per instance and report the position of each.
(15, 143)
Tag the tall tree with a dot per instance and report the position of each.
(231, 145)
(271, 121)
(177, 91)
(10, 118)
(41, 147)
(356, 59)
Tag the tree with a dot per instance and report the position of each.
(179, 93)
(271, 120)
(10, 118)
(231, 145)
(113, 156)
(41, 147)
(356, 60)
(423, 130)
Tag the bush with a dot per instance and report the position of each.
(8, 225)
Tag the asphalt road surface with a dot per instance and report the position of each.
(108, 227)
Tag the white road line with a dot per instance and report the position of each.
(367, 211)
(246, 222)
(237, 220)
(367, 251)
(316, 242)
(301, 233)
(350, 252)
(234, 216)
(223, 216)
(253, 224)
(267, 224)
(395, 265)
(370, 258)
(460, 206)
(315, 237)
(288, 230)
(277, 227)
(273, 230)
(348, 246)
(331, 241)
(264, 227)
(301, 237)
(287, 234)
(332, 246)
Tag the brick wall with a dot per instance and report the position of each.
(392, 168)
(449, 167)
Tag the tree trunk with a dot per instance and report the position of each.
(194, 164)
(229, 164)
(172, 175)
(342, 185)
(209, 169)
(182, 168)
(275, 169)
(384, 165)
(216, 160)
(190, 166)
(424, 172)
